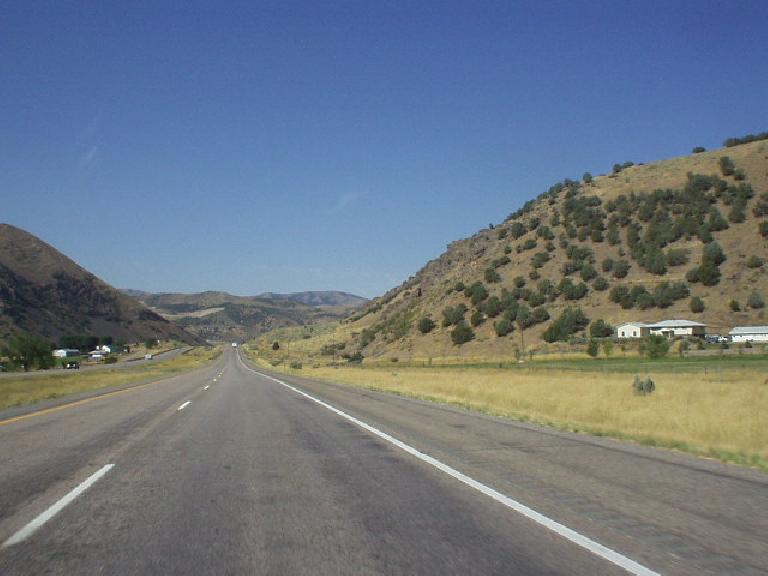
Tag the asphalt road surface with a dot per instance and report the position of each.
(226, 471)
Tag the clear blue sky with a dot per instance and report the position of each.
(291, 146)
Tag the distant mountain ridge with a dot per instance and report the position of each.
(217, 315)
(45, 293)
(320, 298)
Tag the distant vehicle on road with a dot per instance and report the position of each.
(234, 344)
(74, 365)
(147, 356)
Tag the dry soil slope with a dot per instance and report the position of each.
(394, 316)
(44, 293)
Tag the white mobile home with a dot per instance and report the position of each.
(672, 328)
(632, 330)
(65, 353)
(749, 334)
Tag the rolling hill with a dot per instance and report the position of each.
(679, 238)
(223, 316)
(46, 294)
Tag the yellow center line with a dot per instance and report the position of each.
(75, 403)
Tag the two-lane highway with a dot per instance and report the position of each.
(229, 471)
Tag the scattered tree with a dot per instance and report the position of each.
(755, 300)
(27, 351)
(504, 326)
(654, 346)
(600, 329)
(426, 324)
(727, 166)
(461, 334)
(755, 261)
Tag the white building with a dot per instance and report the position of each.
(632, 330)
(672, 328)
(65, 352)
(749, 334)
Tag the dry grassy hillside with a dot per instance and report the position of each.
(656, 218)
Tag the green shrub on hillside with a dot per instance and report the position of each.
(727, 166)
(587, 272)
(677, 256)
(503, 327)
(569, 322)
(499, 262)
(699, 150)
(517, 229)
(540, 314)
(763, 229)
(529, 244)
(492, 306)
(518, 281)
(737, 214)
(366, 337)
(476, 318)
(539, 259)
(600, 284)
(654, 261)
(491, 276)
(755, 300)
(454, 314)
(477, 292)
(697, 305)
(613, 235)
(571, 291)
(545, 232)
(729, 142)
(461, 334)
(524, 317)
(621, 269)
(600, 329)
(754, 261)
(618, 294)
(426, 324)
(734, 306)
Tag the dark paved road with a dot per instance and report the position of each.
(251, 477)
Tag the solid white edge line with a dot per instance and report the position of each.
(30, 528)
(187, 403)
(577, 538)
